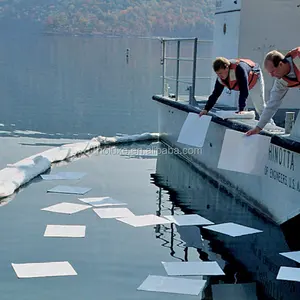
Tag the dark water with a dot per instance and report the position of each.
(247, 259)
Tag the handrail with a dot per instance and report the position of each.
(177, 78)
(177, 39)
(184, 39)
(186, 58)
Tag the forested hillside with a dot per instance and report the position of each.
(114, 17)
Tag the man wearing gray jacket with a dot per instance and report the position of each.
(286, 70)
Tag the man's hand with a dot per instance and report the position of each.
(255, 130)
(203, 112)
(240, 112)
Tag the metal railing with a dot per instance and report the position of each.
(191, 81)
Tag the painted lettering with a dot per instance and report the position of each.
(292, 183)
(282, 157)
(278, 177)
(266, 170)
(288, 181)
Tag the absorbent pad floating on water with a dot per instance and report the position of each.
(144, 220)
(290, 274)
(172, 285)
(48, 269)
(192, 268)
(188, 220)
(294, 255)
(232, 229)
(77, 231)
(64, 189)
(118, 212)
(66, 208)
(102, 201)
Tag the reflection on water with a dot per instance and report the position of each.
(77, 87)
(245, 259)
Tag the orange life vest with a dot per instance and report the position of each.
(232, 83)
(295, 55)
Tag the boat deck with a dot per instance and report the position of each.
(277, 133)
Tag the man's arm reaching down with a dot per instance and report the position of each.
(214, 96)
(277, 93)
(242, 80)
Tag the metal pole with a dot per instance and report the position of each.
(194, 67)
(177, 70)
(162, 61)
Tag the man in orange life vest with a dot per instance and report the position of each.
(286, 70)
(242, 75)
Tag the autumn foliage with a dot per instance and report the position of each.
(115, 17)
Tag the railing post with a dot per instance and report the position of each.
(192, 100)
(194, 67)
(289, 122)
(163, 61)
(177, 70)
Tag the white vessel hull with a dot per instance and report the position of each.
(276, 194)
